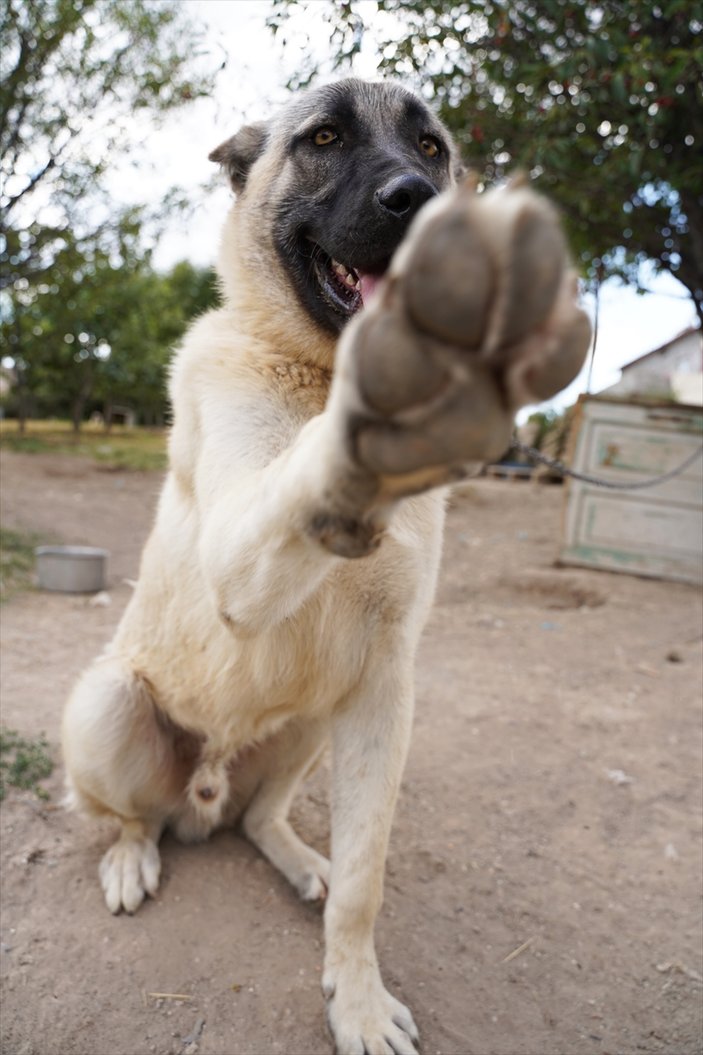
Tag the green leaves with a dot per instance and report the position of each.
(73, 76)
(23, 763)
(597, 101)
(79, 301)
(92, 332)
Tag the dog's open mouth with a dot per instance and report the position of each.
(345, 288)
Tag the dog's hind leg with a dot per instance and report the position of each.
(284, 762)
(121, 762)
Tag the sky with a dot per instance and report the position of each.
(250, 87)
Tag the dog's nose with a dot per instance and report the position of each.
(404, 195)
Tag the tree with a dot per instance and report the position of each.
(82, 81)
(601, 102)
(53, 321)
(148, 314)
(76, 75)
(98, 334)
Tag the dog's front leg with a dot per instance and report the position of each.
(260, 545)
(476, 317)
(370, 736)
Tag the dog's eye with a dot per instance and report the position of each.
(430, 146)
(324, 136)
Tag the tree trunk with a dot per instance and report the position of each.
(77, 414)
(78, 405)
(21, 418)
(690, 272)
(23, 402)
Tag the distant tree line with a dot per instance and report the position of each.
(92, 336)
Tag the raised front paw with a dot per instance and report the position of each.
(363, 1016)
(476, 317)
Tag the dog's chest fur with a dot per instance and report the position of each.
(235, 689)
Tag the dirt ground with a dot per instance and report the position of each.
(544, 878)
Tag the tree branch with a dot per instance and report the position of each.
(13, 199)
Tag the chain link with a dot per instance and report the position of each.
(564, 470)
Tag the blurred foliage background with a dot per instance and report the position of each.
(86, 322)
(602, 103)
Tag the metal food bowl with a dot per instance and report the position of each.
(71, 569)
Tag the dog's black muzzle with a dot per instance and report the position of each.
(344, 244)
(403, 196)
(368, 227)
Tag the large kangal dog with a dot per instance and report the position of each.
(382, 321)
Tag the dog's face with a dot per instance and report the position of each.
(336, 179)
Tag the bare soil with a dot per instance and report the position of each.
(544, 879)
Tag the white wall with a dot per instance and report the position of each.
(653, 375)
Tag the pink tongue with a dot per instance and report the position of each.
(368, 285)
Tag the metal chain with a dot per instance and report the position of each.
(554, 463)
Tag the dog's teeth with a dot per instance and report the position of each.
(348, 277)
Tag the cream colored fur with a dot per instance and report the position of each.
(248, 634)
(248, 644)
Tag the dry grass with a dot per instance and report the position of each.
(122, 448)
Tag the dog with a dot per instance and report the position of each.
(382, 321)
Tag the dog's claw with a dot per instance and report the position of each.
(365, 1018)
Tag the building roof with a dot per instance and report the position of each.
(662, 348)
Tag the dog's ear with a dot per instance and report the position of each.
(239, 153)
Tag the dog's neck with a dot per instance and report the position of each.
(301, 374)
(266, 305)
